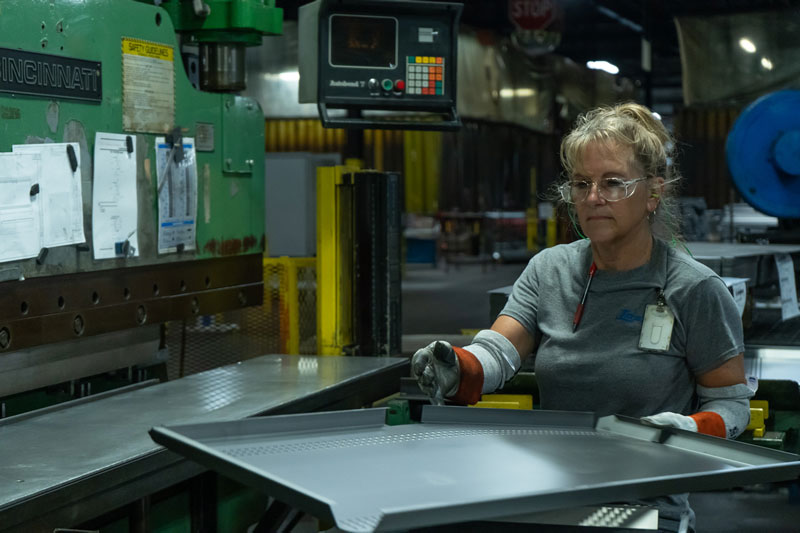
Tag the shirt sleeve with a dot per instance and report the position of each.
(523, 302)
(713, 326)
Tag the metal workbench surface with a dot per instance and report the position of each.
(778, 363)
(742, 260)
(70, 456)
(713, 250)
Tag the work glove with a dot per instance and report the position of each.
(671, 420)
(435, 367)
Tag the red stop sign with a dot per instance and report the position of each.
(532, 14)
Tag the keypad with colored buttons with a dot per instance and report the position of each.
(425, 75)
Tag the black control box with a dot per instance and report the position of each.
(380, 55)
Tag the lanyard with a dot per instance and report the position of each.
(661, 301)
(579, 311)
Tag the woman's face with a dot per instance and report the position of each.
(607, 222)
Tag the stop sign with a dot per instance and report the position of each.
(532, 14)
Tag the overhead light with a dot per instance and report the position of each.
(747, 45)
(603, 65)
(519, 93)
(766, 63)
(289, 75)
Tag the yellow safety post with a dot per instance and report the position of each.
(377, 145)
(422, 155)
(432, 162)
(293, 311)
(283, 308)
(551, 238)
(281, 280)
(334, 270)
(532, 216)
(413, 171)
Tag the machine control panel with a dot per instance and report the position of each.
(425, 75)
(380, 55)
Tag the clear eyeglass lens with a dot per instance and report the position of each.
(611, 189)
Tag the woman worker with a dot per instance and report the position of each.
(625, 323)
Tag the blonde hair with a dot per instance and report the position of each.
(634, 126)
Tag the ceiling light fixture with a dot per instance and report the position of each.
(766, 63)
(523, 92)
(289, 75)
(747, 45)
(604, 66)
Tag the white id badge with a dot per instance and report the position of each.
(656, 328)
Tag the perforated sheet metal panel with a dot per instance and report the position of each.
(350, 467)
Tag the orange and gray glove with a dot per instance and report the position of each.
(443, 371)
(724, 412)
(463, 374)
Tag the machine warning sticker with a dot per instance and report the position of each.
(148, 86)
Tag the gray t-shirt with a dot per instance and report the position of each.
(600, 367)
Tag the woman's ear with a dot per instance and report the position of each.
(654, 196)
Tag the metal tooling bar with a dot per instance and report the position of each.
(464, 464)
(75, 463)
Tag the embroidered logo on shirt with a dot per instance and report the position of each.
(626, 315)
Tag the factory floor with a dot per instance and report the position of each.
(440, 303)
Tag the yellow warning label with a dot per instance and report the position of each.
(138, 47)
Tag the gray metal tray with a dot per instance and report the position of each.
(464, 464)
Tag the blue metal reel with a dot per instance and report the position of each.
(763, 153)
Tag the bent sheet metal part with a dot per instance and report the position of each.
(465, 464)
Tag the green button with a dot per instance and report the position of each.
(438, 83)
(438, 90)
(387, 85)
(412, 59)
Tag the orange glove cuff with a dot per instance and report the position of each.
(471, 384)
(709, 423)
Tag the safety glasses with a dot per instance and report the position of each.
(611, 189)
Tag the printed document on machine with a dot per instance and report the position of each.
(788, 292)
(60, 200)
(114, 203)
(19, 210)
(177, 195)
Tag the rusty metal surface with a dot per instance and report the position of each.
(58, 308)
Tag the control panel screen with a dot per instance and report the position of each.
(363, 41)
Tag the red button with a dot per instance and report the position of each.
(399, 85)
